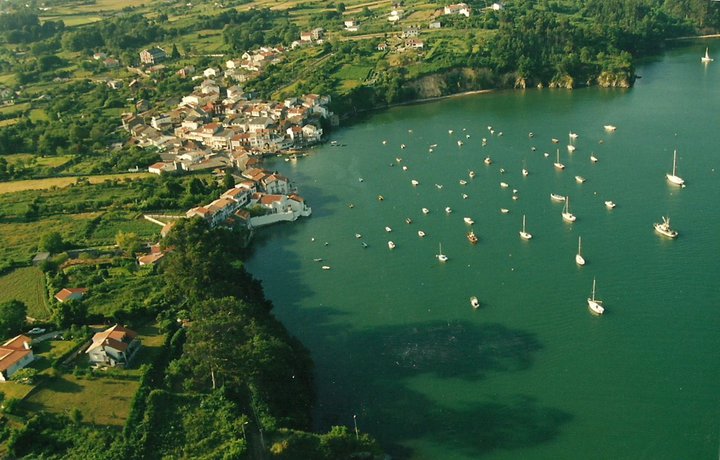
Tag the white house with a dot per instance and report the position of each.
(115, 346)
(15, 354)
(458, 8)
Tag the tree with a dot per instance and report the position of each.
(51, 242)
(128, 242)
(175, 54)
(12, 318)
(228, 181)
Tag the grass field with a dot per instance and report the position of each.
(26, 284)
(9, 122)
(15, 108)
(102, 401)
(26, 158)
(38, 115)
(42, 184)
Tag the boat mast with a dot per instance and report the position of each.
(579, 245)
(593, 291)
(674, 161)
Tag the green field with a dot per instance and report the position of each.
(15, 108)
(29, 159)
(27, 285)
(102, 401)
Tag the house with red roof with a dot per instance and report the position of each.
(115, 346)
(66, 294)
(15, 354)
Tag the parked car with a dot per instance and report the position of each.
(36, 330)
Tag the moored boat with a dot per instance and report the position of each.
(391, 245)
(609, 204)
(595, 306)
(579, 179)
(556, 197)
(523, 233)
(468, 220)
(474, 302)
(425, 211)
(559, 165)
(566, 214)
(472, 237)
(665, 229)
(674, 178)
(421, 234)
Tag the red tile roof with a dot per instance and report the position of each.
(65, 293)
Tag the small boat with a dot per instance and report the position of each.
(472, 237)
(665, 229)
(609, 204)
(425, 211)
(421, 234)
(439, 187)
(504, 210)
(556, 197)
(402, 146)
(384, 142)
(524, 234)
(593, 158)
(460, 143)
(326, 267)
(594, 305)
(531, 135)
(579, 179)
(504, 184)
(502, 170)
(566, 214)
(357, 235)
(350, 205)
(546, 154)
(380, 198)
(555, 141)
(408, 220)
(610, 128)
(707, 57)
(414, 182)
(573, 135)
(404, 168)
(463, 182)
(474, 302)
(450, 131)
(388, 229)
(571, 148)
(360, 179)
(440, 256)
(468, 220)
(432, 146)
(398, 159)
(525, 172)
(465, 196)
(487, 161)
(674, 178)
(578, 257)
(448, 209)
(515, 197)
(319, 259)
(559, 165)
(471, 174)
(391, 245)
(364, 244)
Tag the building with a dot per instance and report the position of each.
(458, 8)
(15, 354)
(115, 346)
(67, 294)
(153, 55)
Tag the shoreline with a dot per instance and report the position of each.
(693, 37)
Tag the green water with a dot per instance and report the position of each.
(531, 374)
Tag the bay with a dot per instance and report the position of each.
(531, 373)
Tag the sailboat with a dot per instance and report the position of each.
(441, 257)
(707, 57)
(674, 178)
(559, 165)
(523, 234)
(525, 172)
(594, 305)
(578, 257)
(566, 214)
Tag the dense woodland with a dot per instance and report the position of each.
(230, 381)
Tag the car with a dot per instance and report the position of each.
(36, 330)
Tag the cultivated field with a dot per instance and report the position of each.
(28, 286)
(42, 184)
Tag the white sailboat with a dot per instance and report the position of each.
(610, 204)
(559, 165)
(707, 57)
(674, 178)
(566, 214)
(593, 158)
(556, 197)
(474, 302)
(594, 305)
(441, 257)
(578, 257)
(523, 234)
(391, 245)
